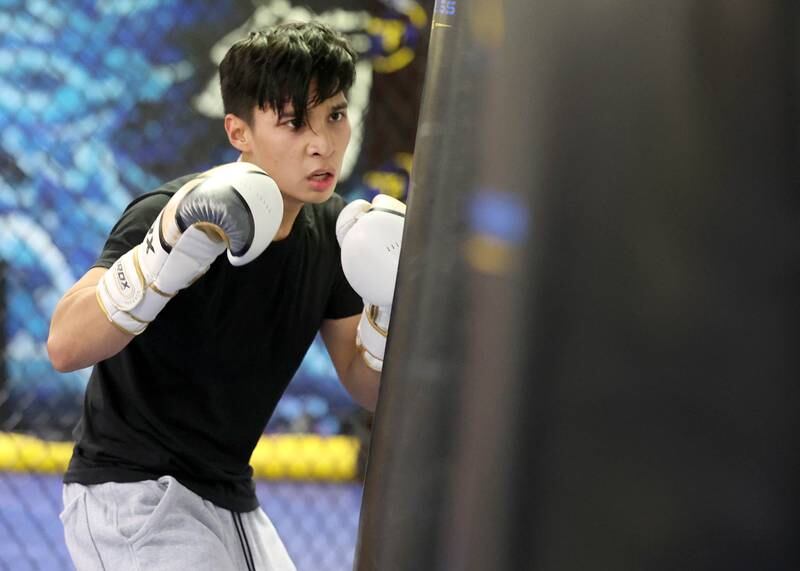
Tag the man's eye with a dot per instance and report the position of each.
(338, 115)
(294, 123)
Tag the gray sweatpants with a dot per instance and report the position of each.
(160, 525)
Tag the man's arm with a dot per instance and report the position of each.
(369, 236)
(235, 206)
(80, 334)
(360, 381)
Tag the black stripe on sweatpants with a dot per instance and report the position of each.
(248, 556)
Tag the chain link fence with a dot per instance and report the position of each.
(101, 101)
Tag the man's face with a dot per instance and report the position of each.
(304, 160)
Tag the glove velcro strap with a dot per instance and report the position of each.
(123, 283)
(373, 329)
(124, 296)
(124, 321)
(152, 303)
(139, 284)
(190, 257)
(371, 360)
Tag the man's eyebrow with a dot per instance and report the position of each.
(288, 111)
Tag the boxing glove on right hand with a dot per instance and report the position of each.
(236, 206)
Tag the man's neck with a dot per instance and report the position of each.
(291, 208)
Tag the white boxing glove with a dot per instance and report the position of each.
(236, 206)
(370, 236)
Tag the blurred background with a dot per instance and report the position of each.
(103, 100)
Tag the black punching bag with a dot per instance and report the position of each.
(592, 359)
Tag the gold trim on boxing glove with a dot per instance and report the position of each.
(372, 314)
(105, 312)
(366, 356)
(128, 313)
(138, 267)
(136, 319)
(213, 231)
(151, 286)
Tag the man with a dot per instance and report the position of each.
(191, 349)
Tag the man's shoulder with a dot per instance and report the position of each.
(155, 200)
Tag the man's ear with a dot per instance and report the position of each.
(238, 132)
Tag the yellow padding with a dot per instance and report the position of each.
(306, 457)
(276, 457)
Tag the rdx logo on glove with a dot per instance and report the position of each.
(122, 279)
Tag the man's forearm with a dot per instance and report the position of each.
(80, 334)
(362, 383)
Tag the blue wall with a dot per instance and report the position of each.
(103, 100)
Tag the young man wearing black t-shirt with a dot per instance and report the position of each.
(191, 351)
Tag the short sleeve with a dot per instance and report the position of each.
(131, 228)
(343, 301)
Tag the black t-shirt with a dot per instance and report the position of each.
(191, 395)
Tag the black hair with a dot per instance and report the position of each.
(276, 66)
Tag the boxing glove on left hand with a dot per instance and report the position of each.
(370, 237)
(236, 206)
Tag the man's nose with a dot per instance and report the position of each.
(321, 142)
